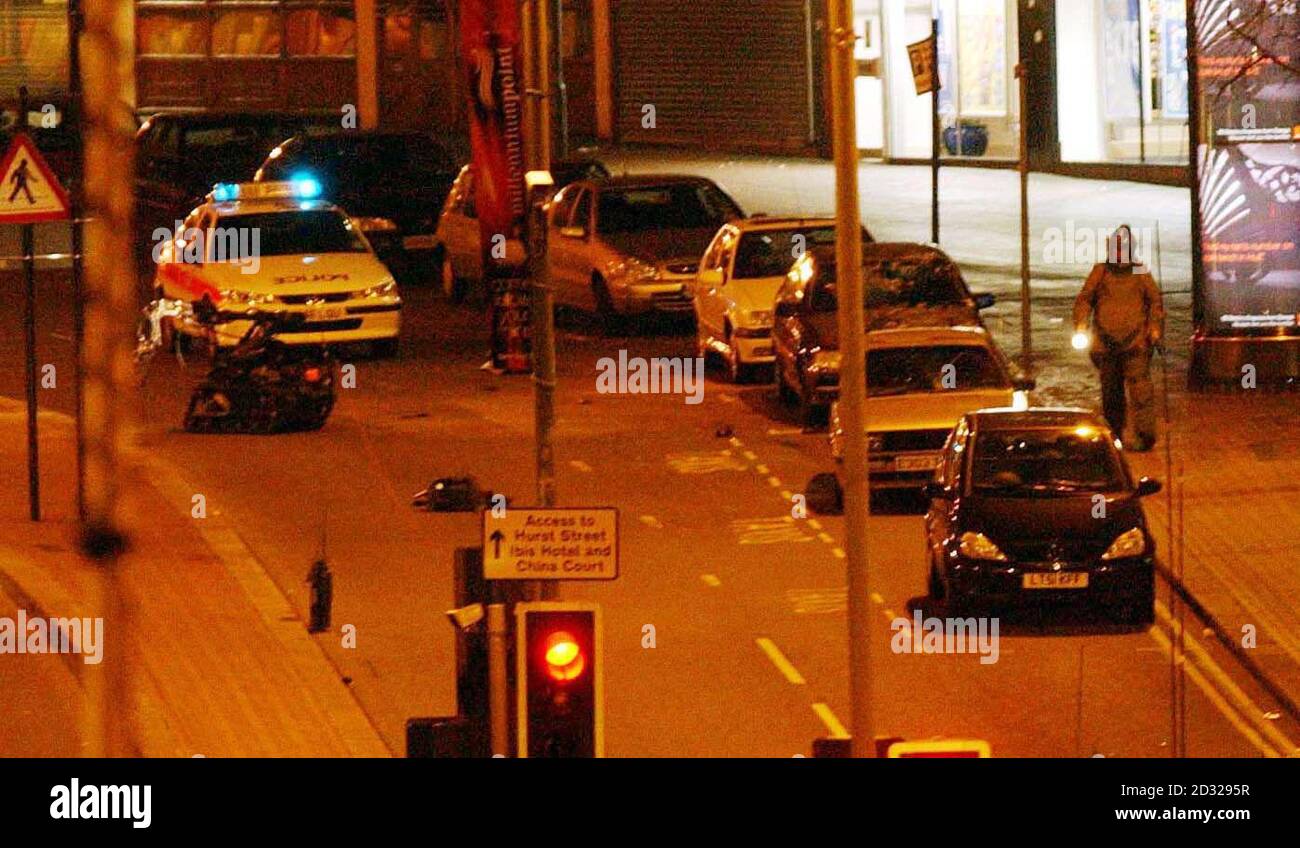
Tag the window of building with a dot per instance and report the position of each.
(172, 31)
(1122, 80)
(246, 31)
(320, 32)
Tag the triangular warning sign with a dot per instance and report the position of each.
(29, 191)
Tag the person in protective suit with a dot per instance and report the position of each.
(1128, 321)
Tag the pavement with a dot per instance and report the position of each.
(747, 601)
(217, 662)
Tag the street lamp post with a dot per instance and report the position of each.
(853, 378)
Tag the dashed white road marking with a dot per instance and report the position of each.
(774, 482)
(580, 465)
(785, 431)
(876, 598)
(711, 580)
(838, 552)
(837, 730)
(651, 521)
(761, 469)
(826, 537)
(778, 659)
(751, 456)
(814, 524)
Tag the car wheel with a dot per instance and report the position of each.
(938, 592)
(825, 495)
(610, 321)
(811, 415)
(453, 288)
(737, 371)
(783, 390)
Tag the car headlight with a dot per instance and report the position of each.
(388, 288)
(240, 297)
(632, 270)
(1130, 543)
(825, 360)
(979, 546)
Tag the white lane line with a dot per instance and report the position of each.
(651, 521)
(814, 524)
(838, 552)
(876, 598)
(785, 494)
(784, 431)
(1243, 702)
(837, 730)
(735, 443)
(1216, 699)
(774, 482)
(751, 456)
(761, 469)
(580, 465)
(778, 659)
(826, 537)
(711, 580)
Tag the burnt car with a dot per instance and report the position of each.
(391, 183)
(904, 285)
(1035, 507)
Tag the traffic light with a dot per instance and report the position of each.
(558, 679)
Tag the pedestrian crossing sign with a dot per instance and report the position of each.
(29, 191)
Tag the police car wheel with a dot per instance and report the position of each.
(453, 288)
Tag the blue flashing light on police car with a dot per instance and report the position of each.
(305, 186)
(225, 192)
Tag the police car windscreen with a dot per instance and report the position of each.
(295, 232)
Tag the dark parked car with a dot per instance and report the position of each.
(180, 155)
(905, 285)
(1039, 506)
(393, 183)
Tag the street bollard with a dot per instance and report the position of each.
(322, 596)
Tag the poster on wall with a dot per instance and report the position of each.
(1173, 59)
(1249, 167)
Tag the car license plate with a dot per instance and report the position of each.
(424, 242)
(922, 462)
(326, 313)
(1055, 580)
(762, 351)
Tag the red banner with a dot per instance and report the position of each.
(489, 39)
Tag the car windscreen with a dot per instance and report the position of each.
(770, 253)
(291, 233)
(908, 370)
(676, 206)
(1029, 461)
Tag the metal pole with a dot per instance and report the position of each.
(561, 90)
(110, 305)
(934, 129)
(853, 378)
(75, 212)
(29, 344)
(542, 311)
(1026, 331)
(498, 682)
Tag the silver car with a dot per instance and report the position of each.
(631, 245)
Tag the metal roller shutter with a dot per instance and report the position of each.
(733, 74)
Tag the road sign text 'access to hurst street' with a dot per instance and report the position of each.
(577, 543)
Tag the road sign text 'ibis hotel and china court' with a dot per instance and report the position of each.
(577, 543)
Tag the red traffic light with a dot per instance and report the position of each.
(564, 657)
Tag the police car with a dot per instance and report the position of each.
(278, 246)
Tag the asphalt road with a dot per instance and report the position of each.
(746, 601)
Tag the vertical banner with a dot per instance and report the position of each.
(490, 58)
